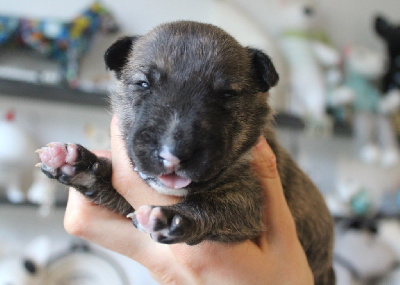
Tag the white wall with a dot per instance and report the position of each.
(345, 21)
(350, 21)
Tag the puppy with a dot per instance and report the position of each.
(191, 103)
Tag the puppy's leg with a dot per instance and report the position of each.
(227, 218)
(74, 165)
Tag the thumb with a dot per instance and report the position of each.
(277, 216)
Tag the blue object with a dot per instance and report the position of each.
(8, 28)
(361, 203)
(398, 200)
(390, 203)
(367, 95)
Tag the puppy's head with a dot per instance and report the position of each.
(191, 101)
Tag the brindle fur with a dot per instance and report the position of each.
(215, 92)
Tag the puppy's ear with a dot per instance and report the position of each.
(117, 54)
(264, 71)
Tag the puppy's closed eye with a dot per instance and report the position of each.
(229, 93)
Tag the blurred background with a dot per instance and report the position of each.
(337, 109)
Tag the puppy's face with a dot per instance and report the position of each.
(190, 100)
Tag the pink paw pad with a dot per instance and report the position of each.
(56, 154)
(163, 225)
(146, 217)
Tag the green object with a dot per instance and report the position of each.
(319, 36)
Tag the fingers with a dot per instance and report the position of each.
(220, 262)
(278, 218)
(99, 225)
(88, 221)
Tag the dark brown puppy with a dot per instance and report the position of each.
(192, 102)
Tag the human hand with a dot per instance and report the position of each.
(276, 258)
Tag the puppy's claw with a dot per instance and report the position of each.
(131, 216)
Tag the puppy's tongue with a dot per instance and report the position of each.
(174, 181)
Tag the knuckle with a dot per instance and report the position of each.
(76, 222)
(73, 227)
(264, 160)
(266, 166)
(271, 167)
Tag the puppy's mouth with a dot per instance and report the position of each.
(174, 181)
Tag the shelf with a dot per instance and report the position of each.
(365, 219)
(284, 120)
(288, 121)
(342, 129)
(4, 201)
(61, 93)
(51, 93)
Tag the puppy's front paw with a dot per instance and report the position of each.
(68, 163)
(163, 224)
(57, 159)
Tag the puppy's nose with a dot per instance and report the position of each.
(173, 157)
(170, 161)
